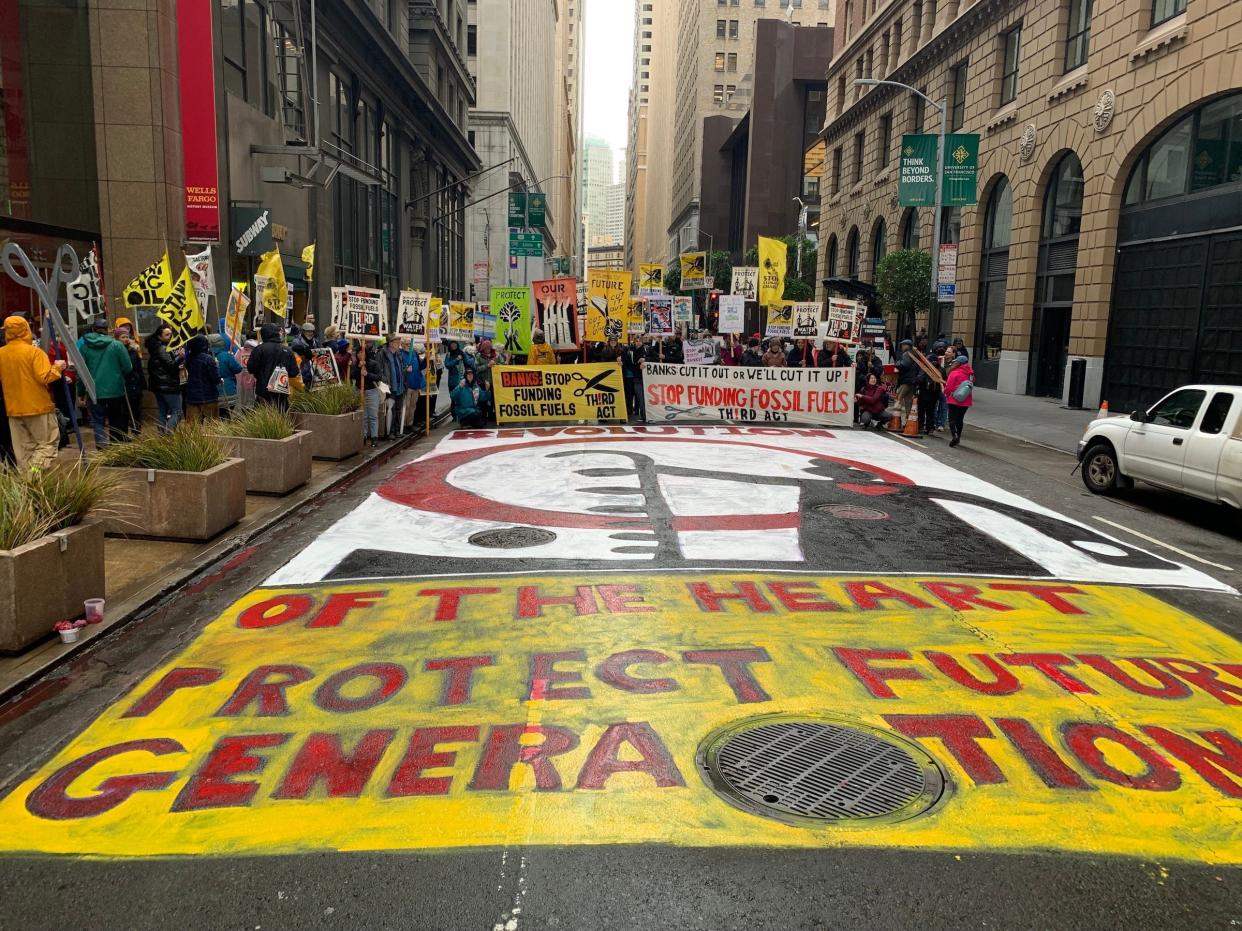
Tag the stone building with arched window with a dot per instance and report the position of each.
(1108, 227)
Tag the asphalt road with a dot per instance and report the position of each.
(1017, 855)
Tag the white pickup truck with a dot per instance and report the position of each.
(1189, 441)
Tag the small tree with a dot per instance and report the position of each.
(903, 281)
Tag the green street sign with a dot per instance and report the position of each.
(537, 210)
(961, 169)
(916, 182)
(517, 209)
(526, 244)
(560, 265)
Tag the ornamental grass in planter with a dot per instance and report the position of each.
(333, 415)
(277, 454)
(180, 485)
(51, 553)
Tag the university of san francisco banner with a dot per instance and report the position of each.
(530, 393)
(608, 304)
(740, 394)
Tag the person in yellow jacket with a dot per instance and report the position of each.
(25, 373)
(540, 352)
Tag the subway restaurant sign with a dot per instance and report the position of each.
(917, 178)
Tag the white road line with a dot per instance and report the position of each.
(905, 439)
(1167, 546)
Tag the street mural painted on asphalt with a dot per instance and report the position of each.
(567, 697)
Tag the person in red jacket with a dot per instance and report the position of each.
(959, 392)
(873, 404)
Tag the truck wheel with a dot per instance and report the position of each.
(1099, 470)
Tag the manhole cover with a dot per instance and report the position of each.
(812, 771)
(512, 538)
(851, 512)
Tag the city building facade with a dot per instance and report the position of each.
(514, 128)
(715, 41)
(1104, 254)
(649, 159)
(375, 178)
(598, 176)
(567, 185)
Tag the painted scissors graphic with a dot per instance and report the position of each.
(594, 383)
(673, 413)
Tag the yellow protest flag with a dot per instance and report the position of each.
(435, 320)
(308, 256)
(181, 311)
(773, 254)
(152, 286)
(650, 279)
(270, 284)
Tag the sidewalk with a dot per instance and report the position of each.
(141, 572)
(1042, 421)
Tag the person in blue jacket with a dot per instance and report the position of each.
(470, 399)
(202, 386)
(415, 384)
(229, 368)
(456, 364)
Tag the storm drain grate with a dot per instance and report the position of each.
(816, 771)
(512, 538)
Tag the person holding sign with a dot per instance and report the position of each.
(272, 364)
(165, 380)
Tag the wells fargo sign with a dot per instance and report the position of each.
(449, 713)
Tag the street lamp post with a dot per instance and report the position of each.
(802, 215)
(943, 108)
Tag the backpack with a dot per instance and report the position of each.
(962, 393)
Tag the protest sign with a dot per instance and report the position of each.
(806, 320)
(608, 304)
(683, 310)
(435, 321)
(412, 307)
(651, 280)
(366, 313)
(732, 313)
(780, 320)
(460, 322)
(553, 392)
(746, 283)
(484, 322)
(180, 311)
(85, 295)
(202, 274)
(844, 321)
(660, 316)
(556, 310)
(323, 366)
(336, 308)
(636, 322)
(153, 284)
(701, 352)
(513, 318)
(235, 315)
(693, 270)
(271, 289)
(773, 256)
(738, 394)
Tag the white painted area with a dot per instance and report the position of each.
(1100, 549)
(750, 545)
(536, 478)
(1167, 546)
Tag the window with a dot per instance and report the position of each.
(1216, 415)
(720, 61)
(957, 105)
(1168, 161)
(851, 254)
(810, 187)
(720, 28)
(472, 40)
(1078, 34)
(730, 90)
(1179, 409)
(733, 61)
(886, 137)
(910, 229)
(759, 2)
(993, 279)
(718, 94)
(814, 112)
(919, 113)
(836, 170)
(1010, 43)
(1202, 150)
(840, 95)
(234, 47)
(1164, 10)
(859, 151)
(830, 265)
(733, 29)
(879, 246)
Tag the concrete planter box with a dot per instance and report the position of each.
(192, 506)
(46, 581)
(334, 437)
(273, 467)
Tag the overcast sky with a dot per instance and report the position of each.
(608, 68)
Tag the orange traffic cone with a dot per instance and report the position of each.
(1103, 409)
(912, 423)
(895, 424)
